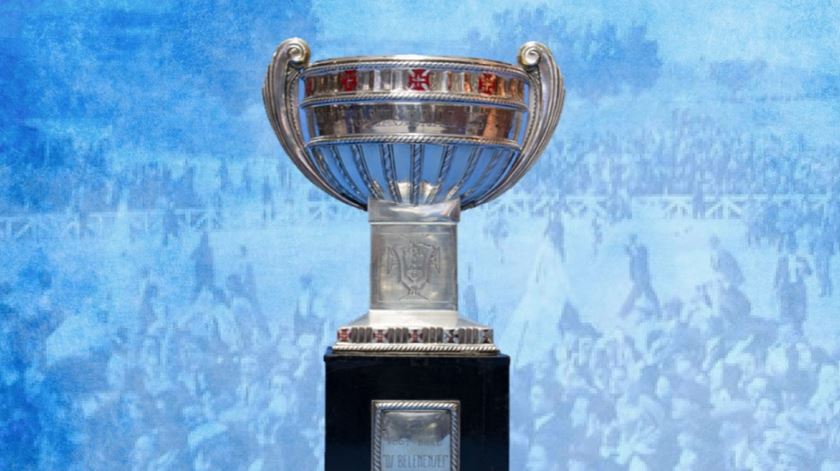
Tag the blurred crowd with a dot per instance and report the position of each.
(213, 382)
(691, 383)
(206, 383)
(691, 155)
(139, 186)
(684, 390)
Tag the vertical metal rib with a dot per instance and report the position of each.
(361, 164)
(416, 171)
(471, 163)
(345, 175)
(386, 153)
(494, 161)
(326, 173)
(505, 170)
(445, 165)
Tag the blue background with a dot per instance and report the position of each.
(132, 340)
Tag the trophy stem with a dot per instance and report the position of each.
(414, 264)
(414, 285)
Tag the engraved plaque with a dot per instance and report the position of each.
(415, 435)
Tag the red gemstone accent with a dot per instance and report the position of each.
(419, 80)
(310, 86)
(487, 84)
(349, 80)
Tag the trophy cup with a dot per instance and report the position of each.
(414, 140)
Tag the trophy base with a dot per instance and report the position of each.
(419, 331)
(386, 411)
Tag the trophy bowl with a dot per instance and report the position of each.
(413, 140)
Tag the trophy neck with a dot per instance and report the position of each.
(414, 263)
(414, 286)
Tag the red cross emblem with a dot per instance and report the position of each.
(310, 86)
(343, 335)
(487, 84)
(379, 336)
(416, 335)
(451, 336)
(349, 80)
(418, 79)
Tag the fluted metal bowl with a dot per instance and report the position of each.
(413, 129)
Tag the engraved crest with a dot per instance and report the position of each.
(413, 264)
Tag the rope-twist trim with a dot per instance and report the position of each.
(421, 405)
(510, 71)
(415, 347)
(412, 139)
(453, 98)
(445, 165)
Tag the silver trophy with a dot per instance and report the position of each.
(413, 140)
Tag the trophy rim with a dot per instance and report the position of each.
(432, 61)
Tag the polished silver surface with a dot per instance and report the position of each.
(546, 99)
(414, 140)
(334, 127)
(415, 435)
(279, 96)
(390, 213)
(413, 256)
(339, 120)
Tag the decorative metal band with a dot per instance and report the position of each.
(380, 407)
(412, 139)
(392, 336)
(457, 98)
(450, 64)
(415, 84)
(414, 348)
(428, 119)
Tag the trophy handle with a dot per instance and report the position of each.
(281, 99)
(545, 103)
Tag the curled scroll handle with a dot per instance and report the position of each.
(545, 103)
(281, 99)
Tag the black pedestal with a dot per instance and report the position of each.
(480, 383)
